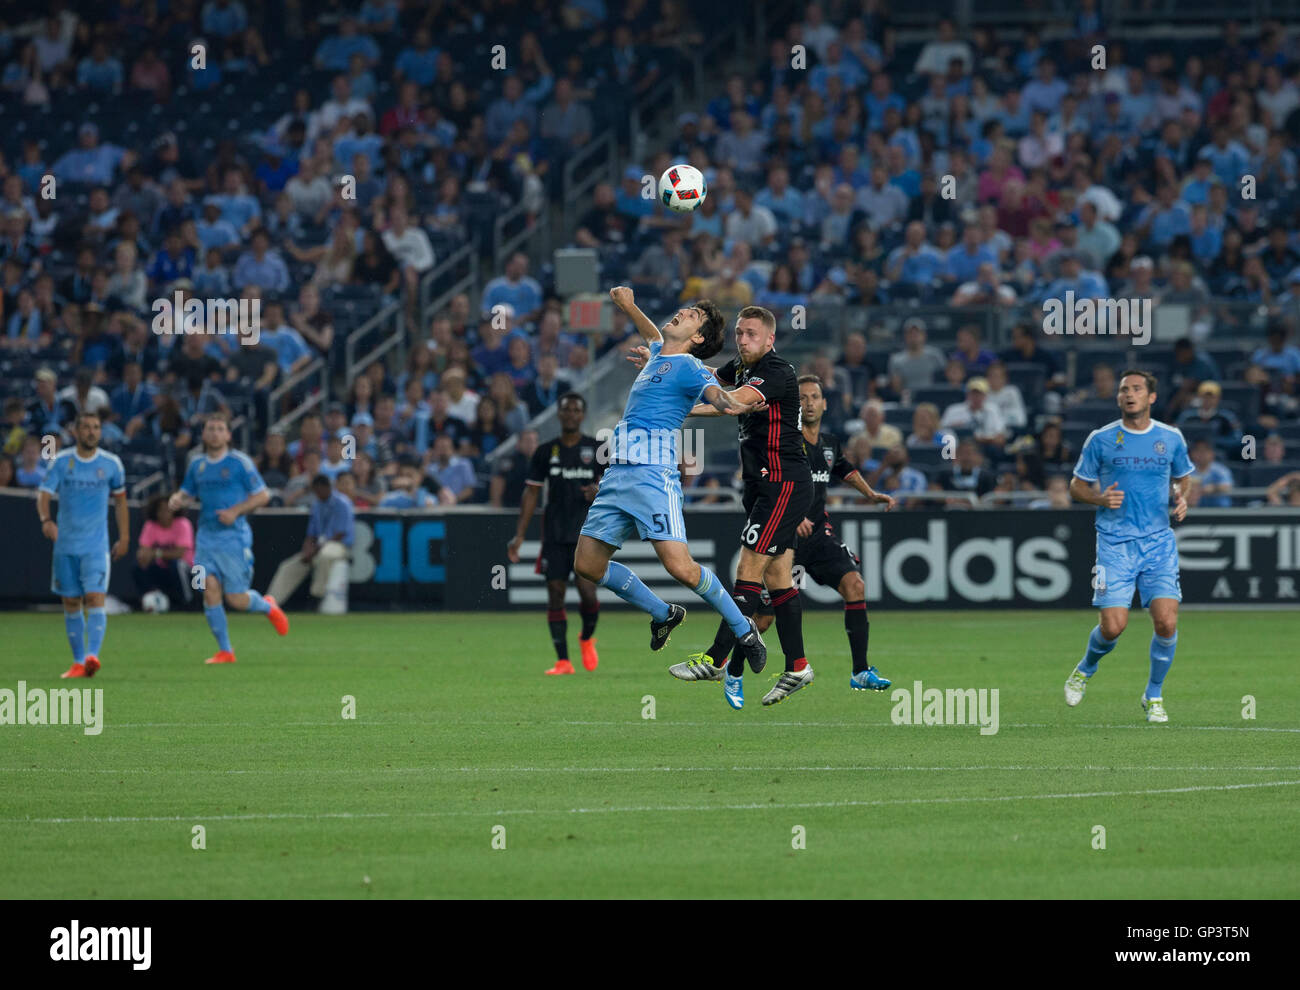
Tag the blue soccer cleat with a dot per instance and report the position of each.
(869, 680)
(733, 689)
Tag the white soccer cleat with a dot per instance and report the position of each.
(787, 684)
(1155, 709)
(1075, 686)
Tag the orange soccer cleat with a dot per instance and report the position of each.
(221, 656)
(277, 617)
(92, 664)
(76, 670)
(562, 667)
(589, 655)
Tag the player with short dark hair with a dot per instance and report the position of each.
(778, 491)
(569, 468)
(820, 553)
(1127, 469)
(84, 478)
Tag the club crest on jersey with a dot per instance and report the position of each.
(588, 455)
(830, 457)
(225, 473)
(99, 472)
(753, 381)
(664, 368)
(1160, 447)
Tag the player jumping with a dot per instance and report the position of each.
(820, 553)
(1125, 469)
(641, 490)
(227, 486)
(83, 477)
(778, 493)
(571, 471)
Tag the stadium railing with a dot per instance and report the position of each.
(593, 170)
(465, 256)
(314, 374)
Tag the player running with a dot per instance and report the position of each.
(820, 553)
(778, 494)
(570, 469)
(228, 487)
(83, 477)
(1125, 469)
(641, 490)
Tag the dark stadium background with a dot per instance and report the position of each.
(790, 106)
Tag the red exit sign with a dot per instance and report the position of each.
(586, 314)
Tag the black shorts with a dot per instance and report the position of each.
(773, 513)
(556, 561)
(823, 558)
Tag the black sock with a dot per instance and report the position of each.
(589, 616)
(858, 627)
(559, 623)
(749, 597)
(789, 625)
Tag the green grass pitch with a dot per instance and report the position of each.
(457, 732)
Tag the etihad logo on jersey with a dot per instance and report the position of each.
(821, 477)
(1138, 461)
(572, 473)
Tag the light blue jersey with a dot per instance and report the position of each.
(1136, 549)
(219, 485)
(1142, 464)
(83, 488)
(659, 402)
(641, 490)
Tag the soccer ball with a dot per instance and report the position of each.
(682, 188)
(155, 601)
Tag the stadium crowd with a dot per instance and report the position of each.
(829, 185)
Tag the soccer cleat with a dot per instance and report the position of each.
(696, 667)
(562, 667)
(76, 670)
(92, 664)
(589, 656)
(754, 649)
(659, 630)
(221, 656)
(1155, 709)
(787, 684)
(869, 680)
(733, 689)
(1075, 685)
(277, 616)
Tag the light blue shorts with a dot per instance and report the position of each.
(1148, 565)
(644, 499)
(232, 566)
(75, 574)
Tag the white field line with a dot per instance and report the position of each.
(759, 769)
(642, 809)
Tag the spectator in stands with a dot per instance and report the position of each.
(406, 491)
(1102, 391)
(878, 433)
(31, 468)
(1280, 360)
(974, 358)
(895, 476)
(564, 119)
(925, 433)
(1006, 397)
(968, 474)
(510, 477)
(1058, 494)
(977, 414)
(1209, 412)
(516, 289)
(261, 266)
(1188, 368)
(1274, 450)
(918, 363)
(1215, 479)
(986, 289)
(8, 477)
(547, 387)
(375, 266)
(274, 462)
(367, 485)
(452, 475)
(1038, 456)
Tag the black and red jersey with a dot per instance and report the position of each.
(826, 460)
(564, 471)
(771, 446)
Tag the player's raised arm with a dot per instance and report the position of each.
(624, 300)
(737, 402)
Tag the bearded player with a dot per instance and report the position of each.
(570, 470)
(820, 553)
(227, 486)
(778, 494)
(1126, 469)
